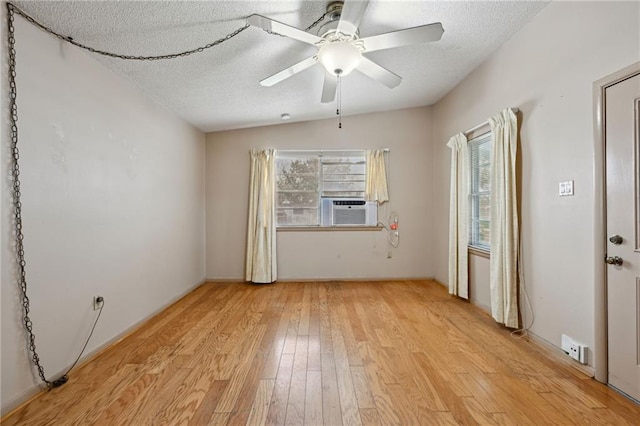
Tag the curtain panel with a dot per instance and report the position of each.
(261, 230)
(504, 219)
(376, 177)
(458, 217)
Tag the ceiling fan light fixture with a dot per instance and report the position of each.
(339, 57)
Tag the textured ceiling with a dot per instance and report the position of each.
(219, 90)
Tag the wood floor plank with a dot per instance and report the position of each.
(89, 408)
(206, 410)
(261, 402)
(384, 404)
(232, 391)
(325, 320)
(361, 385)
(280, 396)
(153, 406)
(270, 368)
(348, 399)
(296, 402)
(370, 417)
(314, 362)
(313, 399)
(120, 411)
(330, 396)
(305, 312)
(334, 353)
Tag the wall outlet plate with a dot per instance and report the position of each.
(575, 350)
(97, 304)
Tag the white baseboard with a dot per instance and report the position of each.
(548, 347)
(559, 353)
(327, 279)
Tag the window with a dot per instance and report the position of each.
(480, 192)
(303, 178)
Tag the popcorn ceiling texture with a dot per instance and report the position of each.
(219, 90)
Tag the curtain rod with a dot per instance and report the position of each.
(485, 123)
(329, 150)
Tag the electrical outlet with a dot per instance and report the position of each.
(98, 301)
(574, 349)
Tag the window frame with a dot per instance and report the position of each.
(475, 244)
(330, 155)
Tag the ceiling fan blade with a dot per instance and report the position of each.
(406, 37)
(378, 73)
(292, 70)
(350, 17)
(283, 29)
(329, 88)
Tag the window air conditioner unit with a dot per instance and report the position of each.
(348, 212)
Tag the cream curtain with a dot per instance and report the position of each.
(504, 219)
(376, 178)
(458, 217)
(261, 229)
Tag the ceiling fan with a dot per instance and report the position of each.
(340, 50)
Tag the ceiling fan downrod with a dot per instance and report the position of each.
(333, 13)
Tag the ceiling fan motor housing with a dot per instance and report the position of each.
(334, 11)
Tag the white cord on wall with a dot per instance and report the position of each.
(522, 332)
(393, 235)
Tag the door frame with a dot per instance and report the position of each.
(600, 350)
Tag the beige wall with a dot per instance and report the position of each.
(324, 255)
(547, 70)
(113, 205)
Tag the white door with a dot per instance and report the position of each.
(622, 121)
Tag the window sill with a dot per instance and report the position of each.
(476, 251)
(327, 228)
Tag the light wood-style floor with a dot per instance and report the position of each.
(331, 353)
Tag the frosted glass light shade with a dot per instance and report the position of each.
(339, 58)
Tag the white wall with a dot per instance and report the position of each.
(326, 254)
(113, 205)
(547, 70)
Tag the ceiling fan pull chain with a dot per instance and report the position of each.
(339, 101)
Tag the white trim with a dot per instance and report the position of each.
(600, 357)
(327, 150)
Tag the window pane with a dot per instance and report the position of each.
(303, 177)
(286, 165)
(480, 191)
(297, 217)
(484, 233)
(297, 182)
(484, 178)
(297, 199)
(344, 169)
(341, 178)
(343, 186)
(484, 152)
(343, 194)
(484, 207)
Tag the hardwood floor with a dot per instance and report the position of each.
(331, 353)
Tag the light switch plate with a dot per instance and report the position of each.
(565, 188)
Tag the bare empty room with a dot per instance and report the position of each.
(320, 212)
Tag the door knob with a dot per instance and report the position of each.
(616, 239)
(615, 260)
